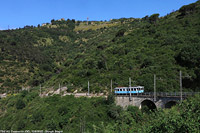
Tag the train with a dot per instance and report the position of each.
(128, 90)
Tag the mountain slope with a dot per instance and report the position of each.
(71, 53)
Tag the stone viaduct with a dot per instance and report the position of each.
(165, 100)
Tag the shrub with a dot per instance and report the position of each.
(135, 113)
(63, 110)
(114, 111)
(20, 104)
(51, 125)
(20, 125)
(24, 93)
(1, 80)
(31, 96)
(37, 117)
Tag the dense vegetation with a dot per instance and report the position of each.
(27, 111)
(71, 52)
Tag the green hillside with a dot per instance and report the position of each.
(71, 53)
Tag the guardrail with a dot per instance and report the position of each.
(165, 94)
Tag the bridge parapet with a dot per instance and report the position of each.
(164, 94)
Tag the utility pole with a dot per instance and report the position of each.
(87, 20)
(130, 88)
(111, 85)
(181, 94)
(88, 88)
(59, 89)
(154, 87)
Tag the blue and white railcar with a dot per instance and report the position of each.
(128, 90)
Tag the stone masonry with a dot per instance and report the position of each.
(160, 102)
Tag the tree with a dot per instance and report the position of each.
(154, 18)
(52, 21)
(184, 10)
(120, 33)
(189, 56)
(145, 18)
(110, 99)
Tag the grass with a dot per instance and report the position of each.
(85, 27)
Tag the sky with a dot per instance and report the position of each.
(19, 13)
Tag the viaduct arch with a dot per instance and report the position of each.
(149, 104)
